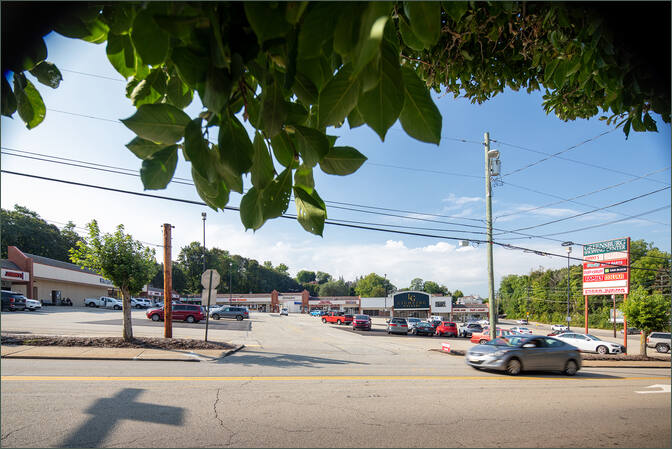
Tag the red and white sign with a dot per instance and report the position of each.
(13, 275)
(238, 299)
(445, 347)
(605, 267)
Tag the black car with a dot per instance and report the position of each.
(423, 328)
(13, 301)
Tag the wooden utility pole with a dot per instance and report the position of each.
(167, 283)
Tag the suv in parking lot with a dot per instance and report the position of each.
(230, 312)
(182, 312)
(447, 328)
(397, 326)
(659, 340)
(13, 301)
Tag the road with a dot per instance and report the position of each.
(300, 383)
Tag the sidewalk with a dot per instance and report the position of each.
(88, 353)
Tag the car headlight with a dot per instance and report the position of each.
(499, 353)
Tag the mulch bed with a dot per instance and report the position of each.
(113, 342)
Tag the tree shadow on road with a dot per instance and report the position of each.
(275, 359)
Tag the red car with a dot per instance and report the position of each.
(181, 312)
(361, 322)
(484, 336)
(447, 328)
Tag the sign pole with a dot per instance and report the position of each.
(625, 327)
(167, 284)
(613, 298)
(586, 313)
(207, 311)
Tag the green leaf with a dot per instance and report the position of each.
(235, 151)
(33, 52)
(317, 70)
(550, 68)
(121, 54)
(425, 21)
(273, 109)
(267, 20)
(160, 123)
(150, 41)
(419, 117)
(178, 93)
(338, 98)
(83, 24)
(190, 66)
(198, 151)
(144, 94)
(559, 75)
(144, 149)
(637, 124)
(371, 33)
(346, 32)
(217, 89)
(455, 10)
(8, 99)
(251, 211)
(262, 165)
(409, 36)
(317, 27)
(355, 118)
(118, 17)
(215, 194)
(381, 106)
(296, 114)
(649, 123)
(303, 176)
(312, 145)
(29, 103)
(311, 210)
(282, 149)
(304, 89)
(48, 74)
(294, 11)
(275, 197)
(157, 172)
(342, 161)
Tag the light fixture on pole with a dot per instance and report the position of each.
(568, 247)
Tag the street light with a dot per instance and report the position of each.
(568, 247)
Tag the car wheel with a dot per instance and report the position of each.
(571, 368)
(190, 319)
(239, 317)
(514, 367)
(324, 320)
(662, 347)
(215, 316)
(117, 308)
(484, 341)
(155, 317)
(339, 322)
(602, 350)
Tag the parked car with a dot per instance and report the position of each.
(435, 324)
(13, 301)
(484, 322)
(554, 333)
(284, 312)
(316, 312)
(468, 329)
(361, 322)
(447, 328)
(33, 304)
(590, 343)
(238, 313)
(397, 326)
(484, 336)
(517, 353)
(521, 330)
(423, 328)
(412, 321)
(632, 331)
(140, 303)
(180, 312)
(105, 302)
(559, 327)
(659, 340)
(523, 321)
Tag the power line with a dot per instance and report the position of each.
(582, 195)
(417, 234)
(84, 115)
(93, 75)
(594, 210)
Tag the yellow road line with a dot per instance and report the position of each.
(290, 378)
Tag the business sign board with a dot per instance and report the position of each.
(606, 267)
(411, 300)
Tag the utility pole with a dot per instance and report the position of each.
(167, 283)
(489, 155)
(207, 308)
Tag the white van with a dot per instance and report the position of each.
(435, 318)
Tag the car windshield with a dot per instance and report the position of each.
(592, 337)
(361, 317)
(507, 341)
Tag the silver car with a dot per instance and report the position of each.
(412, 321)
(397, 326)
(516, 353)
(230, 312)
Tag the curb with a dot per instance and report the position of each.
(232, 351)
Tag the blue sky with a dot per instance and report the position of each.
(413, 179)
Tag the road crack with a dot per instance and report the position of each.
(13, 431)
(221, 422)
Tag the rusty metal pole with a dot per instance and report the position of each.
(167, 283)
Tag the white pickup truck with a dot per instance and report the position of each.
(140, 303)
(104, 301)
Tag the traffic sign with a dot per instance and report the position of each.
(206, 279)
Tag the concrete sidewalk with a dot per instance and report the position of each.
(89, 353)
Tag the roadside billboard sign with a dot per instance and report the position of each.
(606, 267)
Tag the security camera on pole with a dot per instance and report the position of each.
(492, 169)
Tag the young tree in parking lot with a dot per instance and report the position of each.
(119, 258)
(648, 312)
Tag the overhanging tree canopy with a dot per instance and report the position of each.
(294, 69)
